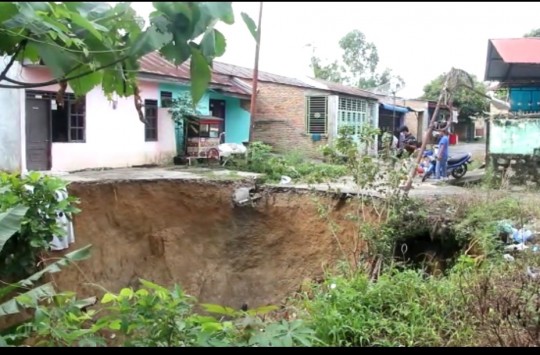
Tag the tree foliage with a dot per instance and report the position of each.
(86, 44)
(533, 33)
(468, 102)
(358, 64)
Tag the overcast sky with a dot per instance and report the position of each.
(417, 40)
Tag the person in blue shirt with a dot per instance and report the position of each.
(442, 156)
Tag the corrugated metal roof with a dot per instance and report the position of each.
(518, 50)
(349, 90)
(154, 63)
(246, 73)
(223, 77)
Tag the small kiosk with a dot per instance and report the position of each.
(204, 135)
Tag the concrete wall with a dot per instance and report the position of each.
(514, 150)
(11, 109)
(517, 136)
(114, 137)
(237, 117)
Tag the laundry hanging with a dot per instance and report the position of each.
(65, 222)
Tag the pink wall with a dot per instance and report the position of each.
(114, 137)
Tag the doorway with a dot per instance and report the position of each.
(217, 109)
(38, 133)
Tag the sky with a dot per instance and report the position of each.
(417, 40)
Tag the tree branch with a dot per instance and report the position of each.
(22, 85)
(22, 44)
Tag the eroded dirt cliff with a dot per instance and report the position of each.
(188, 232)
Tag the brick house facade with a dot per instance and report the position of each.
(285, 117)
(280, 119)
(294, 114)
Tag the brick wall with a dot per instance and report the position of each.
(280, 119)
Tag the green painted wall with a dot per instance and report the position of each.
(518, 136)
(236, 118)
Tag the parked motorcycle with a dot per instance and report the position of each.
(456, 166)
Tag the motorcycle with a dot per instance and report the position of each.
(456, 166)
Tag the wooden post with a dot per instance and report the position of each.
(255, 76)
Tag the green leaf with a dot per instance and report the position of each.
(221, 43)
(116, 324)
(153, 286)
(83, 85)
(108, 297)
(7, 11)
(126, 293)
(262, 310)
(149, 41)
(213, 44)
(252, 27)
(178, 53)
(221, 10)
(211, 327)
(200, 75)
(77, 255)
(27, 299)
(217, 309)
(58, 61)
(87, 25)
(10, 223)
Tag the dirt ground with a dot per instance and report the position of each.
(188, 232)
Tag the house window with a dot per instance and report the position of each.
(150, 113)
(68, 120)
(353, 112)
(316, 114)
(166, 98)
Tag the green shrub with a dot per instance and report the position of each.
(400, 309)
(18, 257)
(260, 159)
(154, 316)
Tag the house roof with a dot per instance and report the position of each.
(154, 63)
(513, 59)
(226, 77)
(246, 73)
(348, 90)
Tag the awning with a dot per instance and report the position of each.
(395, 108)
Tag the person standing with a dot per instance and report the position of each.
(442, 156)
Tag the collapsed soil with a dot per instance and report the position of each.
(189, 233)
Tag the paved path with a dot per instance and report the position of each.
(478, 150)
(346, 185)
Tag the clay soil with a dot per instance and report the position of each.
(188, 233)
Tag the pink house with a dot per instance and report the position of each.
(92, 131)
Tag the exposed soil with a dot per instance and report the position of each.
(188, 232)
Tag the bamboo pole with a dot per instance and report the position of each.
(427, 134)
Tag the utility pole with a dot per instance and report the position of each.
(255, 76)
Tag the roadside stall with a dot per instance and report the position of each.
(204, 135)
